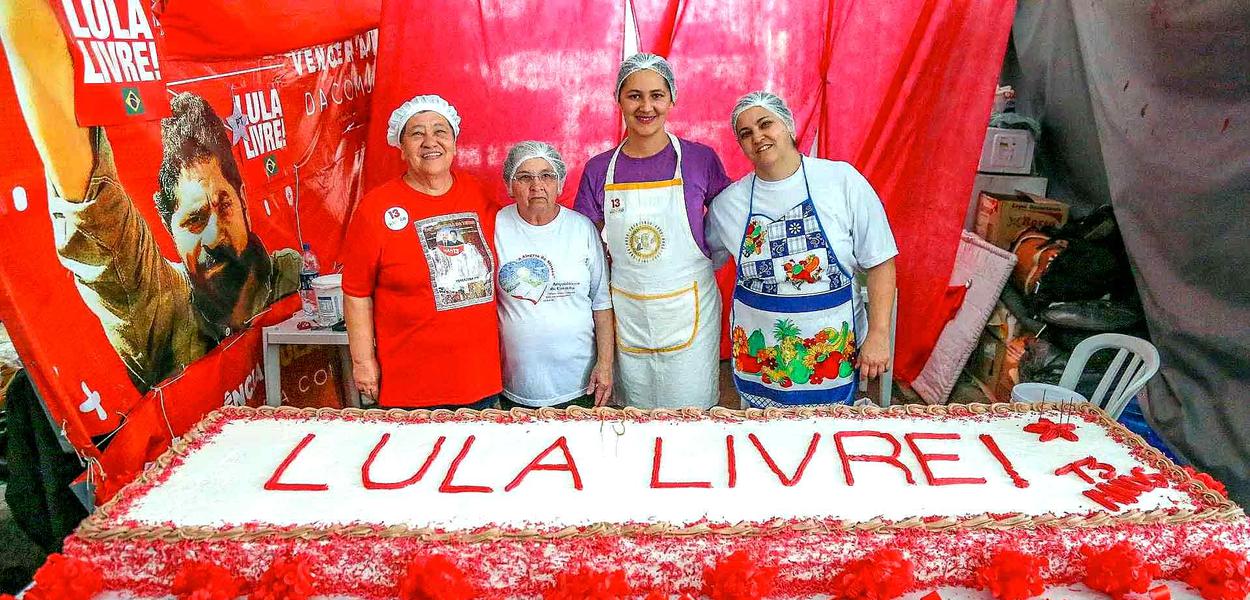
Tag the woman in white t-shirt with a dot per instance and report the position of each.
(800, 229)
(555, 309)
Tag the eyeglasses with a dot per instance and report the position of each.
(530, 178)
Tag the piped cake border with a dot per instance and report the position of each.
(102, 526)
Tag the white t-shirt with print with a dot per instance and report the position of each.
(551, 278)
(849, 210)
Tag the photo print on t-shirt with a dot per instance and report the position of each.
(461, 265)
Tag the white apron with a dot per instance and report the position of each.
(793, 312)
(663, 293)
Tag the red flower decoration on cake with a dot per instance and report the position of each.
(1050, 430)
(882, 575)
(931, 596)
(205, 581)
(591, 585)
(285, 579)
(1222, 575)
(1208, 480)
(737, 577)
(435, 578)
(1012, 575)
(1118, 571)
(65, 578)
(654, 595)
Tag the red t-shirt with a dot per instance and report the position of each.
(428, 264)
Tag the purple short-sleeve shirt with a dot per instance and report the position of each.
(703, 177)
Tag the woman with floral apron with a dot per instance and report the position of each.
(648, 194)
(800, 228)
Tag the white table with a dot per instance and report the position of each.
(288, 332)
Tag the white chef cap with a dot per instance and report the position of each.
(428, 102)
(767, 101)
(641, 61)
(526, 150)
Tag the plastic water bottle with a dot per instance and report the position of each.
(309, 271)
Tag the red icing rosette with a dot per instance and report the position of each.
(737, 577)
(435, 578)
(285, 579)
(586, 584)
(1118, 571)
(1012, 575)
(1208, 480)
(1221, 575)
(882, 575)
(65, 578)
(205, 581)
(654, 595)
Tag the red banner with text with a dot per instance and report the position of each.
(117, 61)
(141, 260)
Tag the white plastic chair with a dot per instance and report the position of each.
(1131, 377)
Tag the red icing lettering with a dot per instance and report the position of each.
(1105, 471)
(447, 487)
(798, 472)
(370, 484)
(274, 485)
(925, 458)
(1125, 489)
(535, 465)
(891, 459)
(656, 457)
(731, 461)
(997, 452)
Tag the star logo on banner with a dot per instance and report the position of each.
(91, 403)
(237, 122)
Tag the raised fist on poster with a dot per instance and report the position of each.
(159, 315)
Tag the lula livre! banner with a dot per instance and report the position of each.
(117, 54)
(142, 261)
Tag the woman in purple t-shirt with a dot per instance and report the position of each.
(649, 195)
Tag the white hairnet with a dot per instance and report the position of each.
(767, 101)
(641, 61)
(428, 102)
(526, 150)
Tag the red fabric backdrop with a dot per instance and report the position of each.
(514, 72)
(902, 92)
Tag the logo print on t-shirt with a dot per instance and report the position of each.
(396, 218)
(526, 278)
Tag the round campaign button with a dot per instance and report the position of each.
(396, 218)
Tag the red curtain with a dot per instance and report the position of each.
(514, 72)
(901, 92)
(907, 97)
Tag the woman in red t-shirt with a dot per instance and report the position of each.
(418, 277)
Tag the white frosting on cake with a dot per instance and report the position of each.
(222, 482)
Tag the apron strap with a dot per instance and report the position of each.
(611, 178)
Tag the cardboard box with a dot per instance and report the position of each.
(1001, 217)
(1007, 151)
(995, 363)
(986, 363)
(1001, 184)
